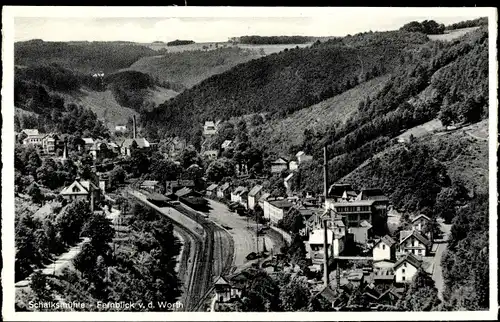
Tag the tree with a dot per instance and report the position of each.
(422, 295)
(39, 287)
(295, 294)
(98, 229)
(189, 156)
(261, 293)
(35, 193)
(117, 176)
(219, 169)
(70, 222)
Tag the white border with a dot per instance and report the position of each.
(10, 12)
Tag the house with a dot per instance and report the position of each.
(226, 291)
(384, 276)
(30, 132)
(263, 198)
(420, 222)
(209, 129)
(226, 144)
(413, 243)
(121, 128)
(211, 154)
(34, 140)
(128, 144)
(253, 196)
(341, 192)
(82, 190)
(288, 184)
(49, 143)
(355, 277)
(380, 200)
(384, 249)
(315, 245)
(303, 157)
(354, 212)
(274, 210)
(113, 147)
(99, 150)
(362, 233)
(293, 166)
(211, 190)
(185, 192)
(175, 185)
(240, 195)
(89, 143)
(223, 191)
(151, 185)
(406, 268)
(279, 165)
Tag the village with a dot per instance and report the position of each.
(354, 245)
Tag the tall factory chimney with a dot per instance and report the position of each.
(325, 247)
(134, 127)
(325, 172)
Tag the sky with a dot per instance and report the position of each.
(213, 29)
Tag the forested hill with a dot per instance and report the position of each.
(86, 57)
(282, 83)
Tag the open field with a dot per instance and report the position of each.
(452, 34)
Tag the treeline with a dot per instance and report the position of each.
(273, 40)
(277, 84)
(180, 42)
(86, 57)
(483, 21)
(428, 27)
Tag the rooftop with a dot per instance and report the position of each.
(409, 258)
(212, 187)
(354, 203)
(282, 204)
(255, 190)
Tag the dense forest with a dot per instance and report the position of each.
(180, 42)
(130, 88)
(269, 40)
(282, 83)
(86, 57)
(428, 27)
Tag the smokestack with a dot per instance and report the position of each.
(325, 247)
(92, 201)
(325, 172)
(134, 127)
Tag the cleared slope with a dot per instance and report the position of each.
(103, 104)
(281, 134)
(191, 67)
(452, 34)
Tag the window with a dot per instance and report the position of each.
(383, 246)
(403, 271)
(404, 264)
(420, 252)
(404, 278)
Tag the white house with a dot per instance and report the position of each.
(209, 128)
(303, 157)
(413, 243)
(253, 196)
(225, 291)
(293, 165)
(121, 128)
(384, 249)
(34, 139)
(238, 194)
(316, 242)
(274, 210)
(211, 154)
(226, 144)
(406, 268)
(279, 165)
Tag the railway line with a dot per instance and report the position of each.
(211, 250)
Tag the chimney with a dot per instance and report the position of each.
(92, 201)
(325, 247)
(325, 172)
(134, 127)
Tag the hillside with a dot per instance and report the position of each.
(463, 152)
(279, 135)
(85, 57)
(191, 67)
(280, 84)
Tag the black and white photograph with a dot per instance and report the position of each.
(308, 163)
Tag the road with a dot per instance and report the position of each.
(437, 274)
(243, 232)
(57, 266)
